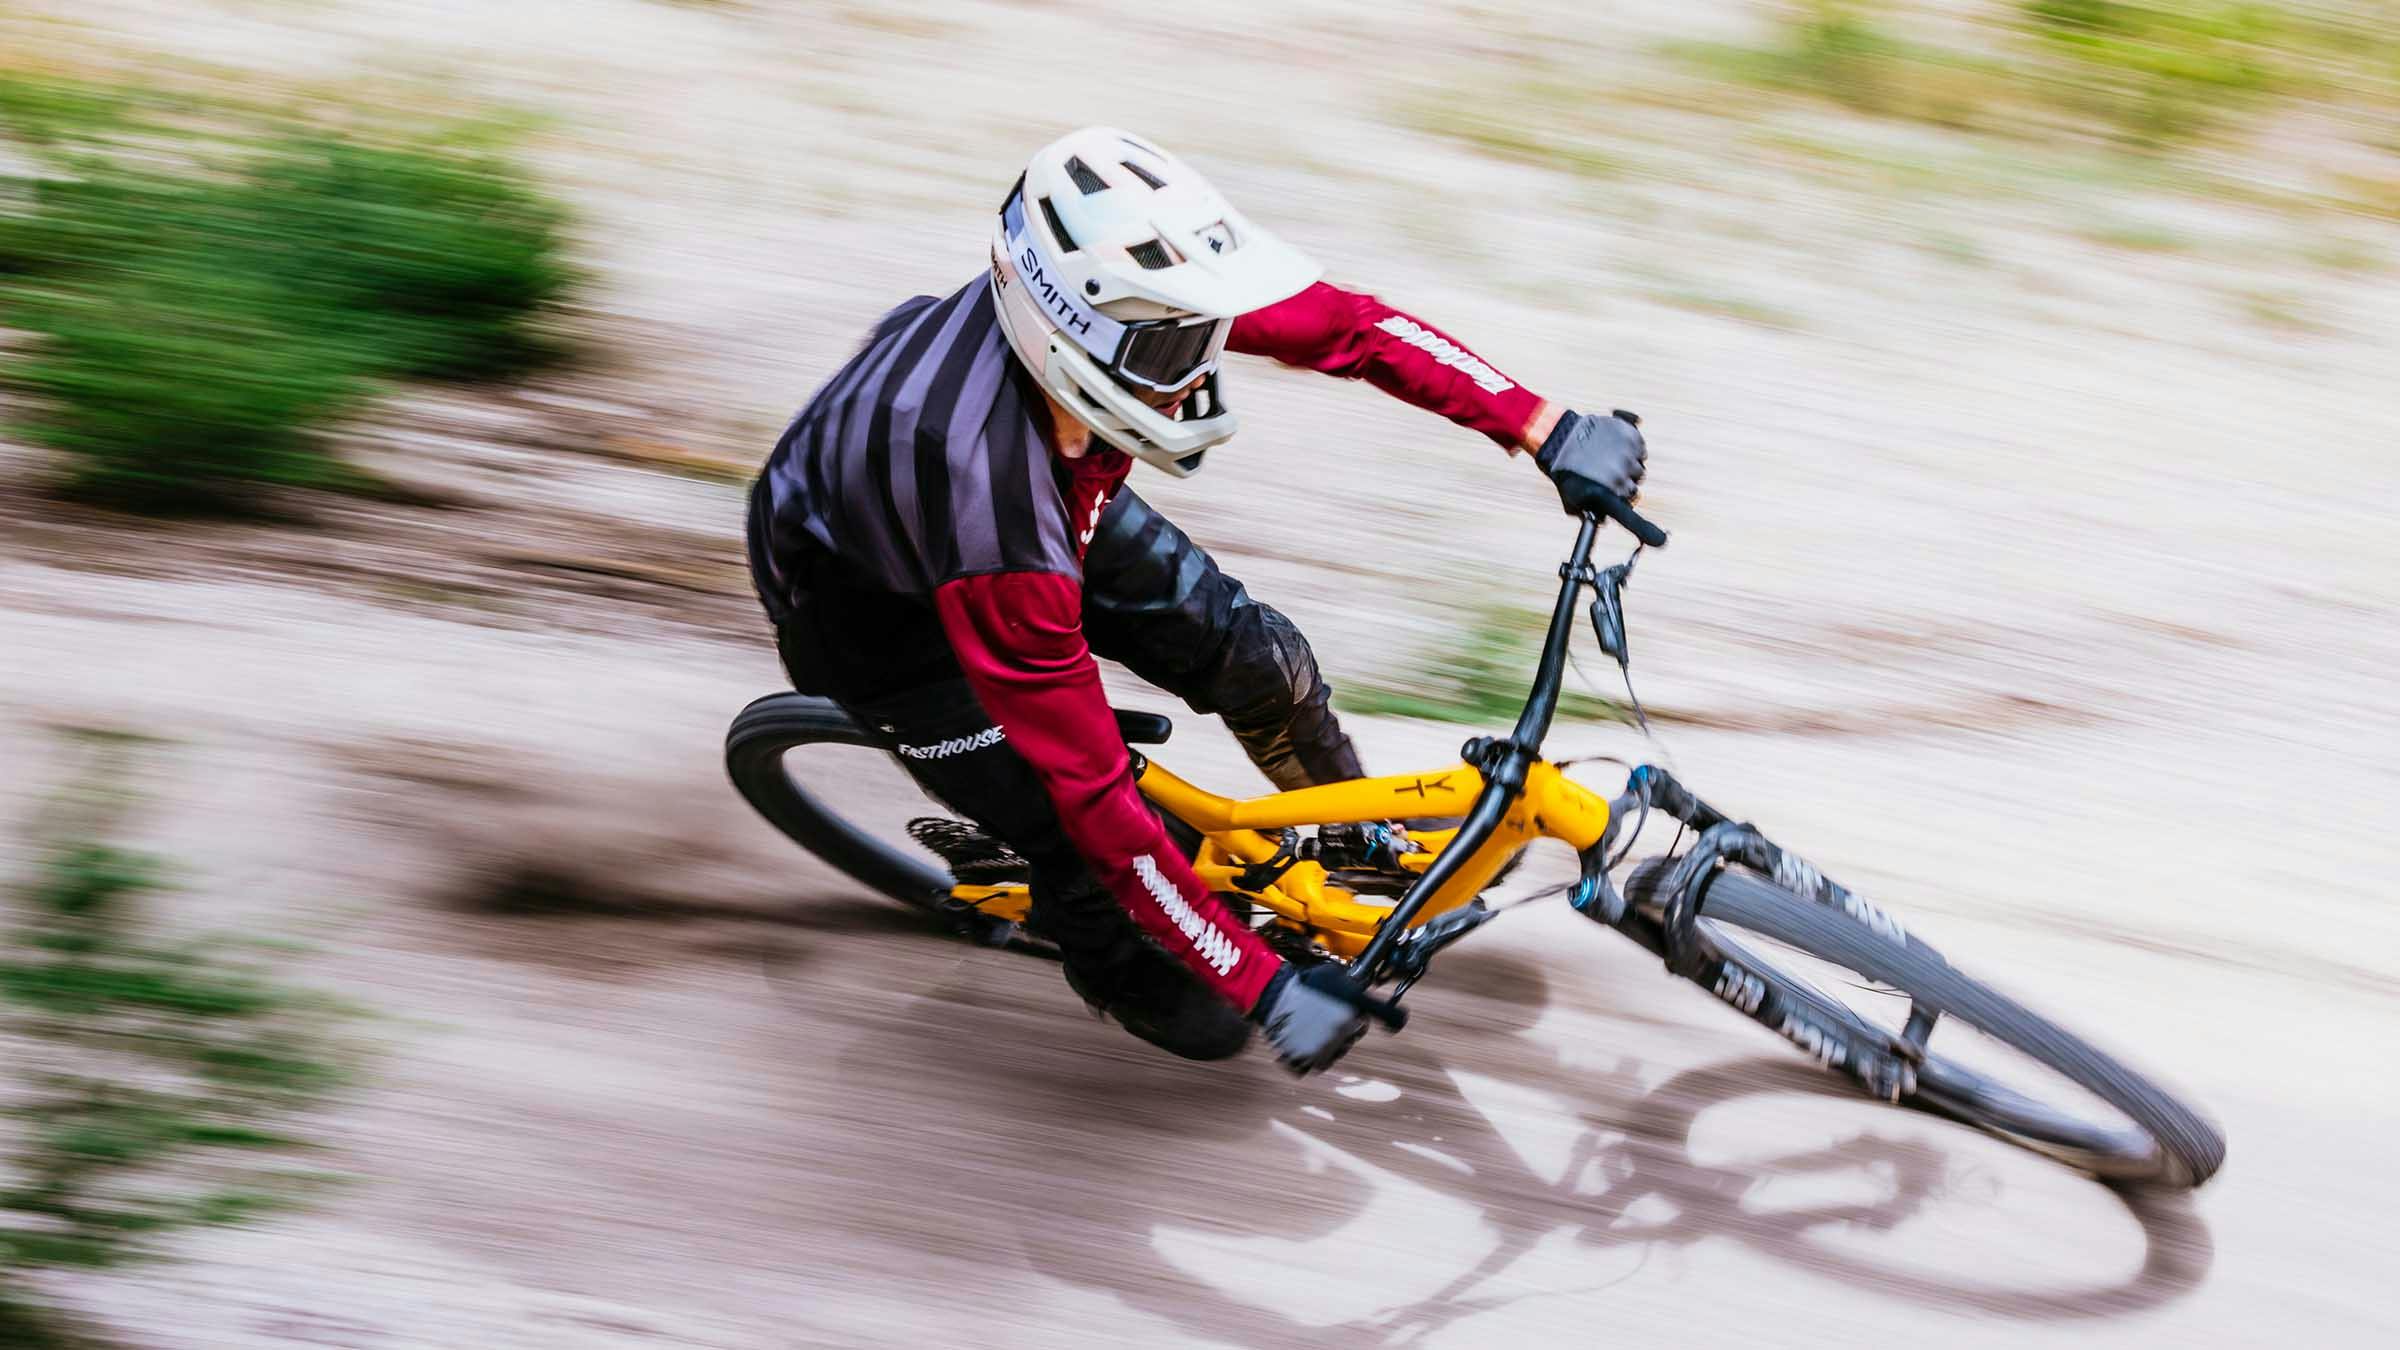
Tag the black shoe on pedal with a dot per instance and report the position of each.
(1122, 974)
(1156, 999)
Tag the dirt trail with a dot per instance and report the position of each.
(2045, 595)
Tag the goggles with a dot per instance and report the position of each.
(1156, 354)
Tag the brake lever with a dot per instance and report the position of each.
(1608, 625)
(1608, 609)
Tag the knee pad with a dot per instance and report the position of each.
(1279, 707)
(1264, 665)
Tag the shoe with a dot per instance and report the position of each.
(1158, 1000)
(1120, 973)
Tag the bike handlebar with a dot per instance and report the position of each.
(1503, 762)
(1618, 509)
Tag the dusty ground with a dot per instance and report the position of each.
(2042, 585)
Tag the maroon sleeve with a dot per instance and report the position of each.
(1357, 336)
(1019, 637)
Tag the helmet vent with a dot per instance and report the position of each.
(1144, 174)
(1084, 178)
(1058, 228)
(1151, 254)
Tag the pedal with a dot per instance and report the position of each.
(975, 858)
(984, 930)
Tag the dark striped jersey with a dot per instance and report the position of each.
(923, 469)
(925, 459)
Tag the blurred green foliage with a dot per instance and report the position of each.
(430, 263)
(197, 325)
(2144, 72)
(180, 389)
(1479, 675)
(44, 109)
(2161, 72)
(1833, 49)
(149, 1080)
(1839, 50)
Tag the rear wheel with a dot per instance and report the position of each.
(1871, 1001)
(829, 784)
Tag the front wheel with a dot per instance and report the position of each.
(2072, 1102)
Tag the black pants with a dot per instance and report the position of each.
(1152, 600)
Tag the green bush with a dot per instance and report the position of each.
(179, 390)
(2151, 72)
(44, 109)
(1837, 50)
(2164, 71)
(432, 263)
(1829, 48)
(151, 1080)
(1479, 676)
(196, 331)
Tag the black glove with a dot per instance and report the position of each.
(1584, 453)
(1311, 1015)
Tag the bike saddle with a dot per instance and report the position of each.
(1143, 728)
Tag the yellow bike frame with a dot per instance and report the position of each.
(1238, 834)
(1238, 856)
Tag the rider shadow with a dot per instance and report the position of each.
(1154, 1168)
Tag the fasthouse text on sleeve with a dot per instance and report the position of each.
(1019, 637)
(1359, 337)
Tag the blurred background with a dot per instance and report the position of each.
(379, 380)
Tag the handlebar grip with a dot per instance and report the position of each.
(1384, 1010)
(1621, 511)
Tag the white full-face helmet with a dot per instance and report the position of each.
(1116, 268)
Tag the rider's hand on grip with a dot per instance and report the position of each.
(1311, 1016)
(1597, 464)
(1585, 452)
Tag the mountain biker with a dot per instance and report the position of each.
(943, 539)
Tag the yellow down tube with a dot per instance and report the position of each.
(1552, 806)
